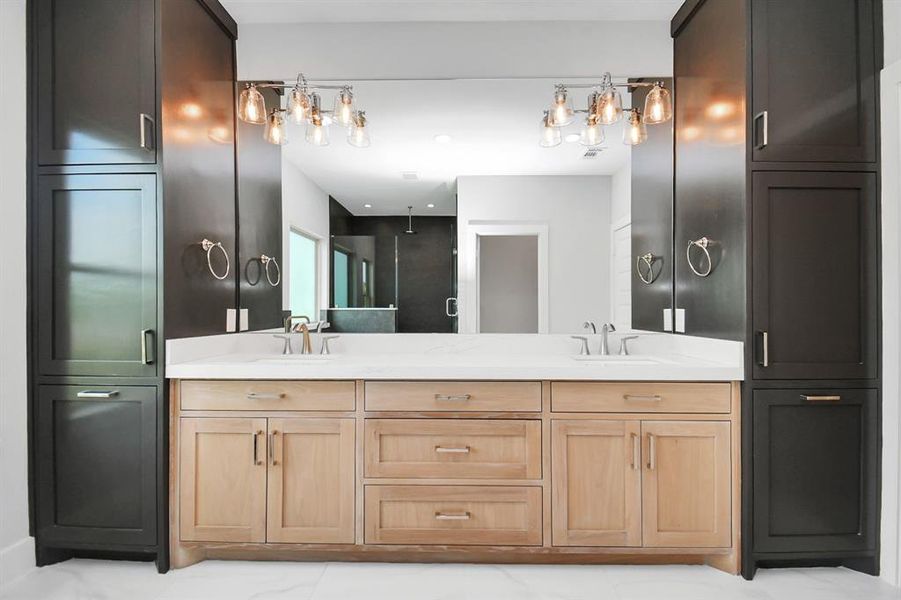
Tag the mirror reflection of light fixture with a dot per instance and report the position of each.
(550, 135)
(317, 132)
(344, 107)
(358, 135)
(561, 112)
(658, 106)
(609, 107)
(252, 105)
(592, 133)
(635, 132)
(275, 128)
(298, 106)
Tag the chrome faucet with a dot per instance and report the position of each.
(590, 325)
(605, 330)
(290, 320)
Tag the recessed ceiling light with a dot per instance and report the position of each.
(443, 138)
(430, 206)
(367, 206)
(572, 137)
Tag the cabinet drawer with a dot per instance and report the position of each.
(464, 515)
(268, 395)
(454, 396)
(641, 397)
(445, 449)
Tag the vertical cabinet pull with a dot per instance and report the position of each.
(636, 451)
(146, 349)
(765, 131)
(272, 459)
(652, 452)
(256, 445)
(764, 349)
(144, 119)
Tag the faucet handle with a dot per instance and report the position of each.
(287, 348)
(325, 340)
(585, 351)
(624, 346)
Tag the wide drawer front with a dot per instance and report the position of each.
(268, 395)
(452, 515)
(640, 397)
(444, 449)
(452, 396)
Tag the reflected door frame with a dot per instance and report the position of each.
(468, 259)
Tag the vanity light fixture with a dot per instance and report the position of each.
(605, 107)
(304, 107)
(275, 128)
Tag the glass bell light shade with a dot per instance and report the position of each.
(635, 132)
(252, 105)
(658, 106)
(317, 132)
(609, 106)
(561, 112)
(299, 106)
(550, 135)
(344, 107)
(592, 133)
(358, 135)
(275, 128)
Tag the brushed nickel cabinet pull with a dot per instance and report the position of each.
(453, 398)
(97, 394)
(143, 119)
(256, 445)
(146, 355)
(765, 347)
(259, 396)
(272, 459)
(765, 115)
(636, 452)
(452, 450)
(464, 516)
(807, 398)
(640, 398)
(652, 452)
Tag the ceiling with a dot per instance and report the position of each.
(345, 11)
(494, 126)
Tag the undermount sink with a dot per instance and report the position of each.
(618, 361)
(297, 358)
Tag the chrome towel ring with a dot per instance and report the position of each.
(703, 244)
(208, 246)
(647, 260)
(270, 260)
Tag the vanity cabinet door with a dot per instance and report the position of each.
(687, 484)
(222, 480)
(596, 497)
(96, 81)
(311, 481)
(814, 80)
(97, 275)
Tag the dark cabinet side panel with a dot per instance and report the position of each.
(260, 223)
(96, 81)
(198, 169)
(710, 178)
(652, 222)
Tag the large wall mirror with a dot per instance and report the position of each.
(463, 212)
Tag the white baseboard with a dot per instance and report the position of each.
(16, 560)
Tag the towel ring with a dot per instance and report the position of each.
(703, 244)
(648, 260)
(208, 246)
(270, 260)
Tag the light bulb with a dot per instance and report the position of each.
(609, 106)
(359, 134)
(317, 132)
(275, 128)
(592, 133)
(344, 107)
(658, 106)
(550, 135)
(635, 132)
(299, 106)
(561, 112)
(252, 105)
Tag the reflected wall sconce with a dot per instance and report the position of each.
(304, 107)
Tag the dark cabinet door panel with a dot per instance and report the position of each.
(815, 474)
(814, 80)
(96, 81)
(96, 464)
(97, 274)
(814, 275)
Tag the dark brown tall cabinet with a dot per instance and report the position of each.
(777, 166)
(131, 152)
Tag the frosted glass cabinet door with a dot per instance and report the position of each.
(97, 275)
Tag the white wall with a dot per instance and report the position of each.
(16, 548)
(576, 211)
(621, 194)
(305, 208)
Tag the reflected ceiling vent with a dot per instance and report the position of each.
(410, 176)
(592, 153)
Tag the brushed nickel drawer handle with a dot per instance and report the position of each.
(807, 398)
(259, 396)
(453, 398)
(640, 398)
(464, 516)
(450, 450)
(97, 394)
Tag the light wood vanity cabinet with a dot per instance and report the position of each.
(457, 470)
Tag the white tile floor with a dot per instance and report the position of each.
(215, 580)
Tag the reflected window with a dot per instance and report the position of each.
(303, 279)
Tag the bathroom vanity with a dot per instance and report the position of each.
(561, 459)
